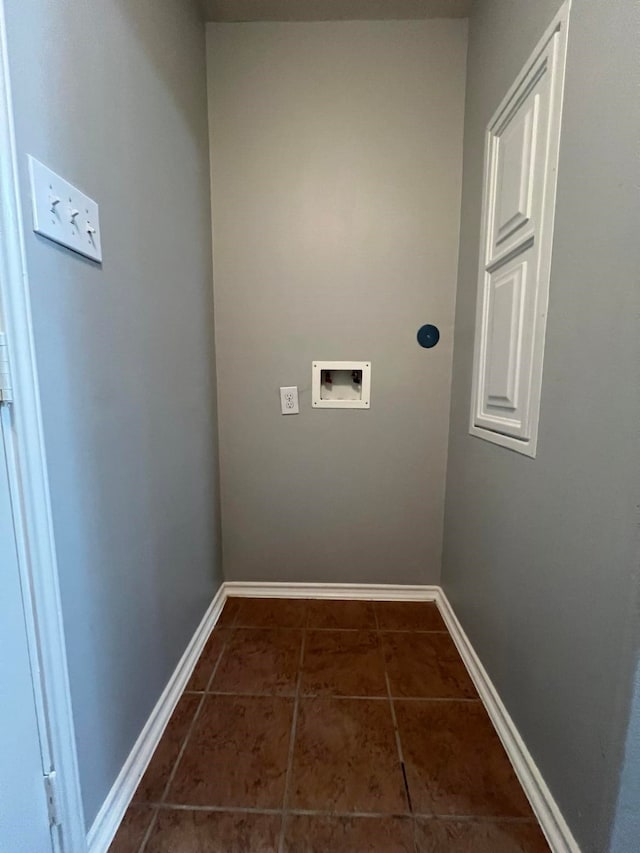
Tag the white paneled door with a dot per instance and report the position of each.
(24, 815)
(521, 164)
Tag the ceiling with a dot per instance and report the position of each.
(334, 10)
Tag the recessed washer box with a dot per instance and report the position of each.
(341, 384)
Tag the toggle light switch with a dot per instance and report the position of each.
(59, 210)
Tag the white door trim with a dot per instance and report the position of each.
(30, 491)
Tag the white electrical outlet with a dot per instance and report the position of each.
(289, 400)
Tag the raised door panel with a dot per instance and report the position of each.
(514, 153)
(505, 339)
(504, 387)
(518, 142)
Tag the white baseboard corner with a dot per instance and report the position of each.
(360, 591)
(544, 806)
(553, 825)
(108, 819)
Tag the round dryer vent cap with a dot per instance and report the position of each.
(428, 336)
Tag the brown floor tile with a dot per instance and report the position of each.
(455, 762)
(272, 613)
(425, 666)
(132, 830)
(229, 613)
(478, 836)
(157, 773)
(258, 660)
(345, 758)
(341, 614)
(409, 616)
(237, 754)
(207, 661)
(311, 834)
(343, 663)
(183, 831)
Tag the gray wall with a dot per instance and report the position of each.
(540, 556)
(334, 10)
(111, 94)
(336, 169)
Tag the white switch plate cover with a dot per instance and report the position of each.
(289, 400)
(64, 214)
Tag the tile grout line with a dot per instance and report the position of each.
(342, 814)
(192, 726)
(249, 627)
(292, 740)
(191, 807)
(396, 732)
(385, 698)
(393, 716)
(285, 811)
(149, 830)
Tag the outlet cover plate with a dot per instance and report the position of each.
(289, 400)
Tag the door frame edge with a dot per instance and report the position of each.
(30, 488)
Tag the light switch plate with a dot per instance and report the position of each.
(64, 214)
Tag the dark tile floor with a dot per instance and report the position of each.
(329, 726)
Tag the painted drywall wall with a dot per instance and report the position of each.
(333, 10)
(540, 556)
(336, 169)
(112, 95)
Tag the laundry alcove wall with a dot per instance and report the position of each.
(336, 152)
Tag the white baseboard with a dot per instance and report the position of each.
(544, 806)
(360, 591)
(108, 818)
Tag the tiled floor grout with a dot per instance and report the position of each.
(187, 807)
(478, 817)
(432, 699)
(385, 698)
(342, 814)
(147, 835)
(234, 621)
(192, 725)
(395, 729)
(292, 744)
(370, 629)
(297, 695)
(393, 717)
(394, 720)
